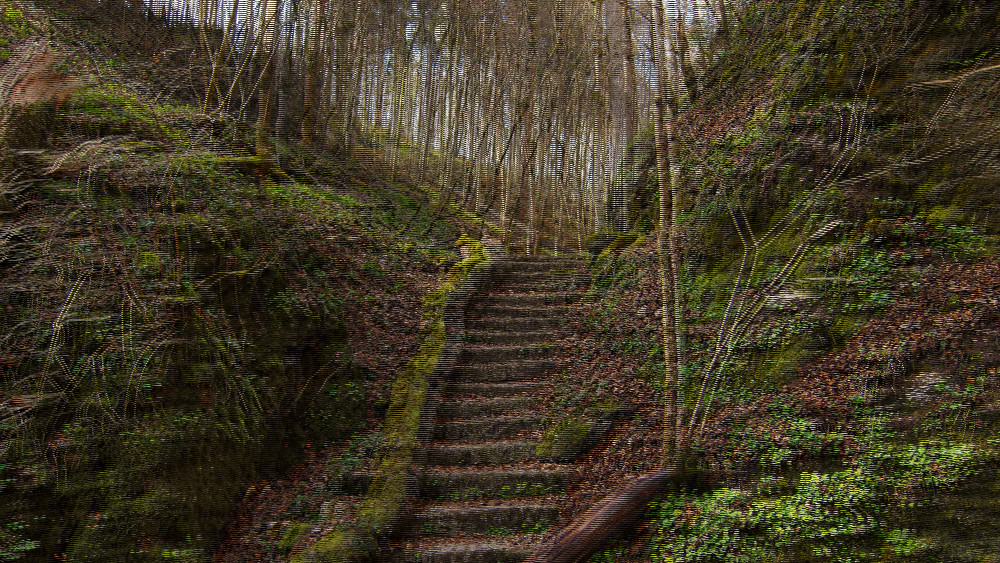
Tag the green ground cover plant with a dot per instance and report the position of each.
(849, 512)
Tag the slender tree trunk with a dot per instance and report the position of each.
(285, 85)
(668, 176)
(264, 117)
(310, 87)
(631, 114)
(217, 59)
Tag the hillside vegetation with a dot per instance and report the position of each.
(857, 415)
(181, 317)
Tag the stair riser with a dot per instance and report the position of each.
(485, 520)
(508, 338)
(487, 454)
(510, 324)
(484, 555)
(486, 485)
(546, 265)
(475, 486)
(543, 275)
(505, 353)
(487, 430)
(521, 312)
(541, 285)
(530, 299)
(524, 370)
(487, 390)
(546, 285)
(493, 407)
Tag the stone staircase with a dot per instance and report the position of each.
(486, 496)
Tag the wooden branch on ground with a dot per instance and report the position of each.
(609, 518)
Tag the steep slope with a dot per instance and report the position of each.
(181, 317)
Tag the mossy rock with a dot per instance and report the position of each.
(572, 437)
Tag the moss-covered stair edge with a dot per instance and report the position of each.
(413, 411)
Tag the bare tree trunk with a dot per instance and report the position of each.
(263, 129)
(285, 85)
(310, 87)
(668, 176)
(223, 50)
(631, 113)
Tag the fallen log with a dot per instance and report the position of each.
(607, 519)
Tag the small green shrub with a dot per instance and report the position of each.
(571, 437)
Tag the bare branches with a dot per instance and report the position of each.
(948, 81)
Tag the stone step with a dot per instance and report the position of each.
(485, 407)
(484, 453)
(536, 264)
(533, 299)
(509, 549)
(542, 285)
(509, 338)
(468, 485)
(495, 389)
(541, 275)
(542, 312)
(471, 484)
(488, 429)
(503, 519)
(494, 354)
(514, 324)
(517, 370)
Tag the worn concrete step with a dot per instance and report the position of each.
(514, 324)
(493, 354)
(488, 429)
(495, 389)
(504, 338)
(467, 485)
(532, 299)
(485, 407)
(513, 370)
(460, 520)
(541, 312)
(508, 549)
(484, 453)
